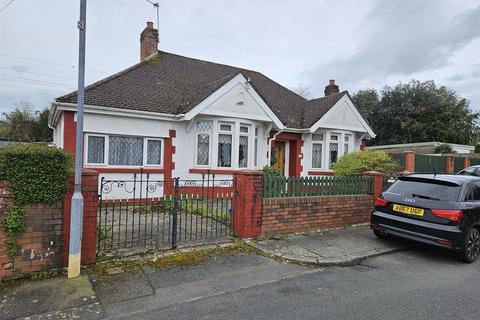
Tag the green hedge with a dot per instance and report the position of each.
(355, 163)
(37, 173)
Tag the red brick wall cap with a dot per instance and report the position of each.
(249, 172)
(372, 173)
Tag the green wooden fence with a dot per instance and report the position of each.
(457, 164)
(279, 187)
(474, 161)
(428, 163)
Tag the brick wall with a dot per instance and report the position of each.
(40, 245)
(45, 242)
(297, 214)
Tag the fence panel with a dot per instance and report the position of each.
(474, 161)
(276, 187)
(425, 163)
(457, 164)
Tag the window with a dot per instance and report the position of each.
(333, 150)
(317, 150)
(225, 145)
(154, 152)
(123, 151)
(346, 145)
(224, 150)
(96, 150)
(243, 147)
(204, 129)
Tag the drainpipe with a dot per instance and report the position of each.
(270, 145)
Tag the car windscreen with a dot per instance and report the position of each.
(425, 190)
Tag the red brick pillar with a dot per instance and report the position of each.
(248, 203)
(409, 161)
(168, 163)
(377, 182)
(449, 166)
(90, 206)
(466, 162)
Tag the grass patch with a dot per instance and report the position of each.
(27, 277)
(182, 259)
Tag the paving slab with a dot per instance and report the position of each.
(214, 277)
(121, 287)
(330, 248)
(45, 296)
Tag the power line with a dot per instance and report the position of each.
(47, 62)
(5, 6)
(37, 73)
(36, 80)
(43, 83)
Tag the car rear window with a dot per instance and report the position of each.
(426, 190)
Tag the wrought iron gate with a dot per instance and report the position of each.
(142, 213)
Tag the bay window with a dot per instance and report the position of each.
(231, 144)
(123, 150)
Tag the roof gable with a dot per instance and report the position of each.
(343, 115)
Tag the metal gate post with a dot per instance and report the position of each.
(174, 213)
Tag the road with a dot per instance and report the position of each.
(422, 283)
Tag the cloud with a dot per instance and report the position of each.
(403, 38)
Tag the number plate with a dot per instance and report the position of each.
(408, 210)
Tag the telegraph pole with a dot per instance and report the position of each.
(76, 213)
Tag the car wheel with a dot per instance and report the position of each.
(471, 249)
(381, 235)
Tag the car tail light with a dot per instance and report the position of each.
(379, 202)
(452, 215)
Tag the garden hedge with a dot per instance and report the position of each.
(36, 172)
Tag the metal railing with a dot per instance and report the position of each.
(275, 187)
(142, 212)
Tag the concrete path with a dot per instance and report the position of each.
(57, 298)
(342, 247)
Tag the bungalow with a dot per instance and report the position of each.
(174, 116)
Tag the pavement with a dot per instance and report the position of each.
(244, 285)
(340, 247)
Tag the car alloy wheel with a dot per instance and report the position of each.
(472, 248)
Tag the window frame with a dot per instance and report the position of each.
(244, 134)
(322, 143)
(145, 152)
(106, 154)
(231, 133)
(105, 149)
(210, 142)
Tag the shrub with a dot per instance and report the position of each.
(477, 148)
(271, 171)
(355, 163)
(37, 173)
(443, 148)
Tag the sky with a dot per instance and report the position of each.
(299, 43)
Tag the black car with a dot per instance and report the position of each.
(441, 210)
(470, 171)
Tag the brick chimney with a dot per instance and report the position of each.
(148, 42)
(332, 88)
